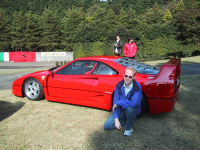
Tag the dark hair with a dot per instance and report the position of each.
(129, 39)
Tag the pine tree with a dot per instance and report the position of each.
(71, 22)
(18, 31)
(4, 32)
(51, 37)
(180, 6)
(167, 16)
(33, 32)
(123, 17)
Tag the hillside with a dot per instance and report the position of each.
(89, 27)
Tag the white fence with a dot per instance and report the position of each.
(54, 56)
(36, 56)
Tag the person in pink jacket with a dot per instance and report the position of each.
(130, 49)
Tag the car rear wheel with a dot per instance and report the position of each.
(33, 89)
(144, 104)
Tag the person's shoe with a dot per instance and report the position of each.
(128, 132)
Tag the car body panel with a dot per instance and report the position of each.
(76, 87)
(96, 90)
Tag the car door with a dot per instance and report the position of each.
(72, 81)
(105, 80)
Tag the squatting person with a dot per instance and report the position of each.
(127, 103)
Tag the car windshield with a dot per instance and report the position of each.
(140, 67)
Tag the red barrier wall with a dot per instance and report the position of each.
(22, 56)
(10, 56)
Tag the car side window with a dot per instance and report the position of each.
(105, 70)
(78, 68)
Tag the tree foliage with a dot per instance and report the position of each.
(4, 31)
(89, 27)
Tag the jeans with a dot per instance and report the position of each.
(126, 117)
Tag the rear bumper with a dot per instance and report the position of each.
(162, 105)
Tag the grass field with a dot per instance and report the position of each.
(26, 124)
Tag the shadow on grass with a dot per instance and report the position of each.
(178, 129)
(7, 109)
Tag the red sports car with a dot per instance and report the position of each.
(91, 81)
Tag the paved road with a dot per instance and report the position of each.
(6, 80)
(190, 69)
(25, 65)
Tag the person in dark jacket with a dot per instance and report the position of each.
(127, 103)
(118, 46)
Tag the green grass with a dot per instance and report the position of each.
(48, 125)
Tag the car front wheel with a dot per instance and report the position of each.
(33, 89)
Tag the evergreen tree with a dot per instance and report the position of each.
(188, 26)
(4, 32)
(180, 6)
(51, 37)
(167, 16)
(33, 32)
(71, 22)
(123, 17)
(130, 19)
(154, 15)
(18, 31)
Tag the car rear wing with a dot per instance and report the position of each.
(177, 62)
(170, 73)
(167, 82)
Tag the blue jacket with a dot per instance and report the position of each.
(133, 99)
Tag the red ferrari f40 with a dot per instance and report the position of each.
(91, 81)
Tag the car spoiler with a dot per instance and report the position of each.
(167, 82)
(177, 62)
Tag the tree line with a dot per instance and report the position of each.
(160, 28)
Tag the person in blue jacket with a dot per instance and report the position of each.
(127, 103)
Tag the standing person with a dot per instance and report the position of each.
(130, 49)
(118, 46)
(127, 103)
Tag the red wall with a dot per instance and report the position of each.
(22, 56)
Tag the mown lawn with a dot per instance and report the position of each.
(26, 124)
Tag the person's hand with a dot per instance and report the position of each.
(117, 123)
(114, 107)
(133, 54)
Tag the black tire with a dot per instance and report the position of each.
(112, 101)
(33, 89)
(144, 104)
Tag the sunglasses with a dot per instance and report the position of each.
(126, 76)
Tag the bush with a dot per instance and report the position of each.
(79, 50)
(92, 49)
(98, 48)
(187, 53)
(57, 63)
(61, 63)
(159, 48)
(159, 30)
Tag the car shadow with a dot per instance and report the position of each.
(7, 109)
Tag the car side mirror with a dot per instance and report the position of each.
(51, 73)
